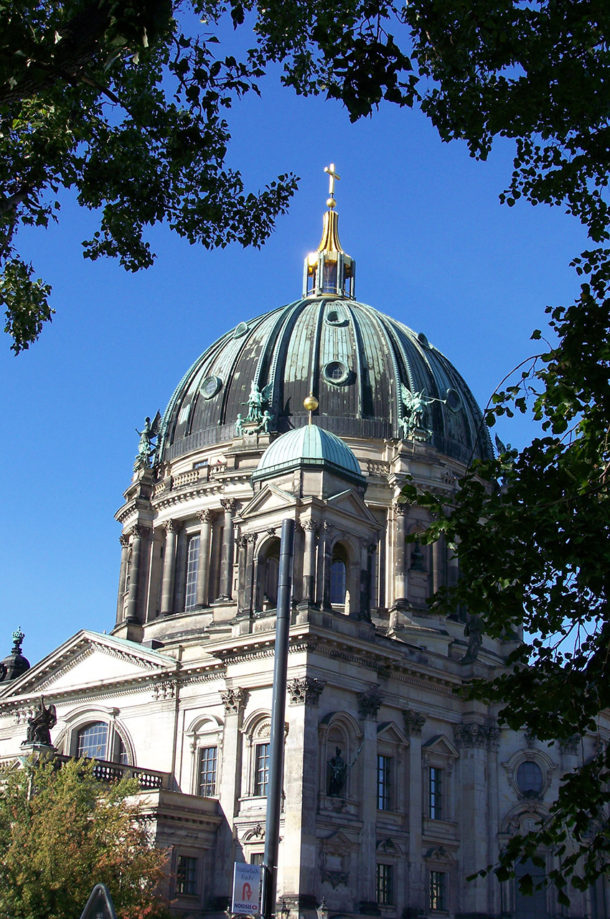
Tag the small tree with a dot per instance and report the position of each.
(61, 831)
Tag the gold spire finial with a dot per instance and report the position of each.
(310, 404)
(332, 175)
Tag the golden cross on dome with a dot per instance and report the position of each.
(332, 175)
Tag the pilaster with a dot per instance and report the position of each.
(299, 863)
(234, 701)
(368, 706)
(414, 722)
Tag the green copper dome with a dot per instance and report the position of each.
(308, 446)
(373, 377)
(366, 370)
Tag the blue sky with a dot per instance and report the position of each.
(434, 248)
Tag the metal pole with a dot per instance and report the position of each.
(278, 709)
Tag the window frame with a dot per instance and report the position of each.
(437, 891)
(261, 766)
(384, 883)
(213, 783)
(117, 747)
(385, 782)
(188, 880)
(436, 793)
(191, 570)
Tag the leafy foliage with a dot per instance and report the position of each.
(61, 831)
(532, 533)
(115, 101)
(125, 103)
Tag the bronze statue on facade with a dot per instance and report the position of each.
(40, 724)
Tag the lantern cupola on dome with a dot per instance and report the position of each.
(330, 272)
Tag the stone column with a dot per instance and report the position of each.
(439, 564)
(452, 569)
(414, 722)
(180, 571)
(400, 561)
(203, 571)
(299, 866)
(366, 577)
(169, 569)
(323, 585)
(374, 568)
(472, 740)
(250, 582)
(494, 905)
(309, 562)
(226, 564)
(368, 706)
(382, 592)
(124, 540)
(134, 573)
(234, 701)
(243, 602)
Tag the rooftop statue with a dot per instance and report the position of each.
(40, 724)
(146, 448)
(259, 417)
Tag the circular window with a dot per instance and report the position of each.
(529, 779)
(335, 317)
(210, 387)
(453, 399)
(240, 330)
(336, 372)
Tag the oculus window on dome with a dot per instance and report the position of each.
(210, 386)
(336, 372)
(335, 316)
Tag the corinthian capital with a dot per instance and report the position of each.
(234, 700)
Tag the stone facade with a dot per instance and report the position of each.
(396, 789)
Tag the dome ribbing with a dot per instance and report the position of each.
(365, 368)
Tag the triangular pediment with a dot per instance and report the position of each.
(350, 502)
(440, 745)
(88, 659)
(268, 500)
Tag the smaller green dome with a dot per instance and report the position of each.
(308, 446)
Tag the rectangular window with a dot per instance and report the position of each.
(192, 567)
(438, 890)
(384, 883)
(435, 793)
(384, 782)
(256, 858)
(261, 769)
(207, 771)
(186, 875)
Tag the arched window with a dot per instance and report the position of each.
(192, 568)
(92, 742)
(534, 905)
(529, 779)
(270, 574)
(338, 575)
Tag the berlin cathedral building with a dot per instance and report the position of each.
(396, 789)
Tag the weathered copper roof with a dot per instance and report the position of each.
(354, 359)
(308, 446)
